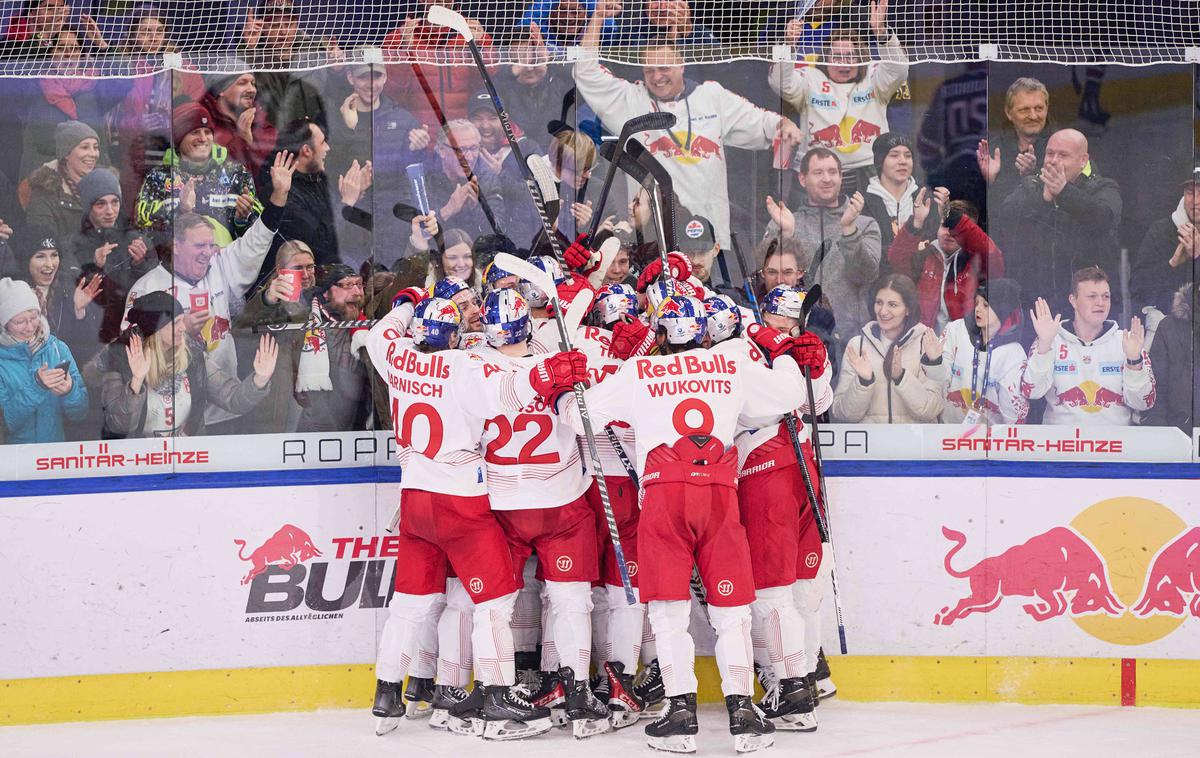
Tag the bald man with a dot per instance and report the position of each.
(1060, 220)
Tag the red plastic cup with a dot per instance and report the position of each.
(199, 301)
(296, 277)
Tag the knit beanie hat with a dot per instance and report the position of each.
(68, 134)
(218, 82)
(99, 183)
(152, 311)
(31, 240)
(16, 297)
(186, 119)
(327, 276)
(883, 145)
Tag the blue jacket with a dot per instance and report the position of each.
(33, 413)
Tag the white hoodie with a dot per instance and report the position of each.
(992, 382)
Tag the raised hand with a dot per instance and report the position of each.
(608, 8)
(243, 206)
(139, 365)
(860, 362)
(854, 206)
(989, 165)
(187, 195)
(878, 19)
(1026, 162)
(782, 216)
(1133, 339)
(1053, 181)
(896, 372)
(264, 361)
(582, 212)
(252, 29)
(922, 204)
(100, 256)
(941, 196)
(1045, 324)
(1187, 238)
(788, 133)
(6, 231)
(280, 288)
(792, 31)
(353, 183)
(349, 111)
(85, 292)
(137, 250)
(418, 139)
(91, 30)
(932, 345)
(281, 177)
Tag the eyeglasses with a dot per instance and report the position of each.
(349, 284)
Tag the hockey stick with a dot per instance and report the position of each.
(458, 153)
(666, 190)
(560, 124)
(296, 326)
(747, 277)
(643, 123)
(789, 420)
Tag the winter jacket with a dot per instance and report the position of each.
(221, 181)
(892, 214)
(1152, 280)
(850, 264)
(279, 412)
(535, 107)
(53, 206)
(125, 412)
(843, 117)
(225, 133)
(946, 288)
(710, 119)
(82, 336)
(1008, 179)
(307, 217)
(916, 399)
(120, 272)
(33, 413)
(1176, 371)
(1048, 242)
(1088, 383)
(983, 375)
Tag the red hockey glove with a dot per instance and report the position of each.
(412, 295)
(558, 374)
(680, 269)
(569, 289)
(631, 338)
(580, 258)
(809, 352)
(772, 341)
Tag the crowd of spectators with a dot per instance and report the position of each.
(152, 227)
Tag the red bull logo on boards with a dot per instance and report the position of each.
(286, 548)
(1125, 570)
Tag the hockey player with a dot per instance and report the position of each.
(684, 405)
(465, 299)
(536, 485)
(440, 398)
(1089, 370)
(986, 354)
(781, 527)
(538, 300)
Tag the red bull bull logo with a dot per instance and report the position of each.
(286, 548)
(1125, 570)
(701, 148)
(1173, 579)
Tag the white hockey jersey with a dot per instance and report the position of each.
(710, 118)
(440, 402)
(666, 397)
(230, 274)
(531, 455)
(1088, 383)
(845, 118)
(754, 431)
(987, 379)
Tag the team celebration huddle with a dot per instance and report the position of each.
(576, 459)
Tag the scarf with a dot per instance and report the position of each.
(1179, 215)
(313, 371)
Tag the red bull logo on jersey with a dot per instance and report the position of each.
(1090, 397)
(701, 148)
(1125, 570)
(845, 136)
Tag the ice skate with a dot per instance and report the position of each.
(465, 717)
(418, 697)
(508, 714)
(551, 694)
(527, 669)
(675, 729)
(788, 704)
(824, 679)
(587, 713)
(444, 697)
(624, 703)
(649, 687)
(750, 729)
(389, 706)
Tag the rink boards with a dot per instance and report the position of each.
(128, 595)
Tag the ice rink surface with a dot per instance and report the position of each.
(876, 729)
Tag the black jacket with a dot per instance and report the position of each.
(308, 217)
(1152, 281)
(1048, 242)
(1176, 372)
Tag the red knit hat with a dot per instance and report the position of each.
(188, 118)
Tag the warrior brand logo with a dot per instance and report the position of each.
(280, 581)
(475, 585)
(631, 568)
(811, 560)
(1066, 572)
(564, 563)
(724, 588)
